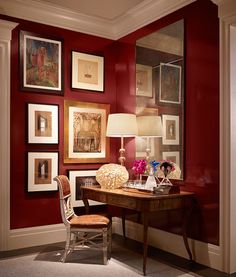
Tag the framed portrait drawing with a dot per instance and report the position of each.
(170, 83)
(87, 71)
(85, 138)
(170, 129)
(172, 156)
(42, 168)
(80, 178)
(42, 123)
(40, 63)
(143, 80)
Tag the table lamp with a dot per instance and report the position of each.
(149, 126)
(121, 125)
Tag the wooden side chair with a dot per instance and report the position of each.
(88, 231)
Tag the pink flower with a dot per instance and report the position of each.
(139, 166)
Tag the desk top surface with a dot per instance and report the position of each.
(135, 193)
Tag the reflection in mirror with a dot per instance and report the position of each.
(160, 92)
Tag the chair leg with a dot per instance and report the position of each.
(105, 245)
(67, 247)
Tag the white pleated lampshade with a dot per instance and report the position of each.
(149, 126)
(122, 125)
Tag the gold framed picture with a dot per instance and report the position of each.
(85, 138)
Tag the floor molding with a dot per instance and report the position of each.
(203, 253)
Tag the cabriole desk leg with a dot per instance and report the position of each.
(145, 241)
(186, 215)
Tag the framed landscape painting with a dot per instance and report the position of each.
(42, 168)
(80, 178)
(85, 138)
(87, 71)
(40, 63)
(42, 123)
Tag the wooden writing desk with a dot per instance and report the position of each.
(144, 203)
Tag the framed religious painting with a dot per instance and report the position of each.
(40, 63)
(87, 71)
(42, 168)
(85, 138)
(170, 129)
(170, 83)
(42, 123)
(80, 178)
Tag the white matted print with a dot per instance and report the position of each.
(42, 168)
(143, 80)
(42, 123)
(80, 178)
(87, 71)
(170, 129)
(172, 156)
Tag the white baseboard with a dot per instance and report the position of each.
(204, 253)
(34, 236)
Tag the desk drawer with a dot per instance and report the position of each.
(120, 201)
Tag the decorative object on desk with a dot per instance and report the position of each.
(175, 173)
(149, 126)
(139, 168)
(166, 167)
(121, 125)
(112, 176)
(151, 180)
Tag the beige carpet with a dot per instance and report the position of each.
(126, 261)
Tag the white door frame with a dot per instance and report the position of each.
(6, 28)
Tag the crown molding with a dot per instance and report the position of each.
(137, 17)
(226, 10)
(146, 12)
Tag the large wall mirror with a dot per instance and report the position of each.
(160, 91)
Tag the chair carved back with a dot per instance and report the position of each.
(65, 198)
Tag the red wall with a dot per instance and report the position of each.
(201, 115)
(201, 136)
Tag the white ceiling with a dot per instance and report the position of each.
(107, 9)
(111, 19)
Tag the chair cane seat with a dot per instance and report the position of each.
(89, 221)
